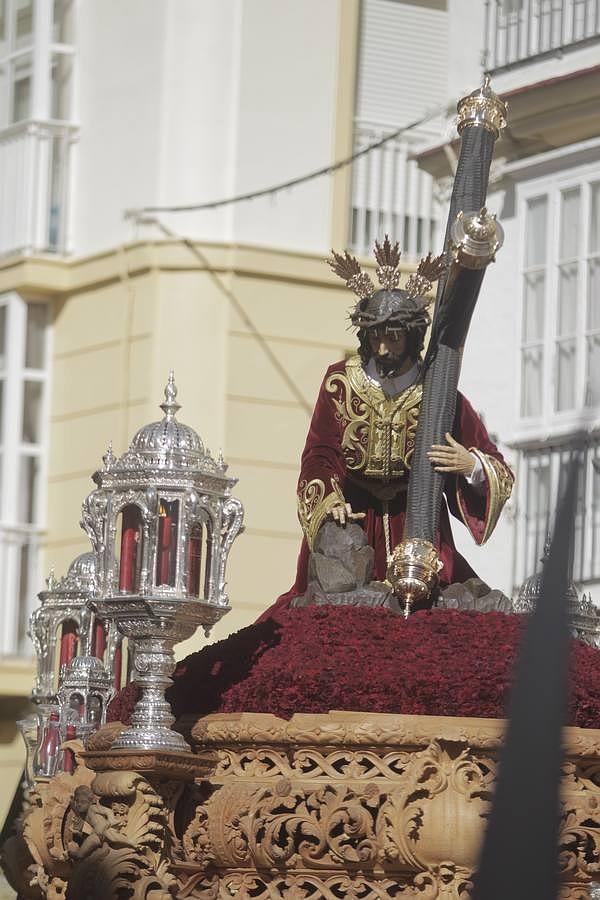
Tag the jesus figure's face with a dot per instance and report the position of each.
(388, 346)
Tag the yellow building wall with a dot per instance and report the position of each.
(16, 678)
(115, 339)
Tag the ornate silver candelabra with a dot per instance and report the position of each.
(584, 615)
(161, 522)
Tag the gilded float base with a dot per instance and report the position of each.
(352, 805)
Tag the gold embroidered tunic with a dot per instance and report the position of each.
(359, 449)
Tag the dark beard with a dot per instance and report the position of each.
(389, 366)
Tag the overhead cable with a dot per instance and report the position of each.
(292, 182)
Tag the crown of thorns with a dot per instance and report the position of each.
(387, 257)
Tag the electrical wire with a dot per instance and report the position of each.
(292, 182)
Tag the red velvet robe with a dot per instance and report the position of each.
(359, 445)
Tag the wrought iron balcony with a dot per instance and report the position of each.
(520, 30)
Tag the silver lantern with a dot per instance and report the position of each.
(64, 627)
(161, 522)
(583, 614)
(61, 624)
(85, 690)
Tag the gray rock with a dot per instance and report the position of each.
(375, 596)
(340, 571)
(363, 561)
(331, 574)
(474, 594)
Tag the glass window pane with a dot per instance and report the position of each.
(35, 347)
(537, 509)
(3, 317)
(569, 224)
(27, 490)
(62, 22)
(595, 218)
(531, 373)
(535, 232)
(24, 595)
(4, 110)
(21, 105)
(593, 310)
(32, 408)
(565, 375)
(24, 20)
(61, 86)
(592, 392)
(533, 307)
(567, 300)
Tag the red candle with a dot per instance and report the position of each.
(195, 562)
(68, 643)
(99, 644)
(127, 567)
(163, 559)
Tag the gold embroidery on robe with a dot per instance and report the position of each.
(378, 438)
(500, 481)
(314, 506)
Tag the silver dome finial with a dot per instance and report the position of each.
(109, 457)
(170, 406)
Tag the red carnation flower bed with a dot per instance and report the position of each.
(436, 662)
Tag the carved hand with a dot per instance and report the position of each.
(452, 457)
(343, 513)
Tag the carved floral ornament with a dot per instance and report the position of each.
(324, 806)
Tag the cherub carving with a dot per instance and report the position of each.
(102, 822)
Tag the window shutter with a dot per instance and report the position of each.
(403, 60)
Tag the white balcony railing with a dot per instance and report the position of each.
(391, 195)
(19, 584)
(518, 30)
(35, 162)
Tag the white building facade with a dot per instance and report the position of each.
(531, 362)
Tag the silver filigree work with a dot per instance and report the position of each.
(65, 600)
(584, 615)
(86, 689)
(164, 510)
(80, 687)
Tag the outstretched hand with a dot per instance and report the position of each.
(343, 513)
(451, 458)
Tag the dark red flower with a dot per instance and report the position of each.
(440, 662)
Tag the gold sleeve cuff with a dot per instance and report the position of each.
(314, 506)
(500, 484)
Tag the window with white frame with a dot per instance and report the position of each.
(541, 479)
(24, 357)
(36, 122)
(390, 193)
(559, 403)
(560, 325)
